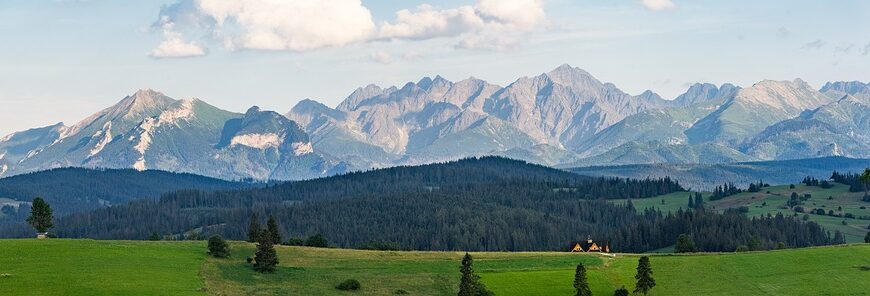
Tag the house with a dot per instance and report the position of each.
(590, 246)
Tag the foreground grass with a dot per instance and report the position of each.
(305, 271)
(84, 267)
(87, 267)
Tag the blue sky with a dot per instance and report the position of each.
(63, 60)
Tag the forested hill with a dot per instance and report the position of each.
(473, 204)
(71, 190)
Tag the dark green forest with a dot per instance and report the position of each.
(72, 190)
(488, 203)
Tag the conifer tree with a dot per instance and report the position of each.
(581, 285)
(469, 283)
(40, 215)
(867, 238)
(645, 281)
(274, 232)
(265, 259)
(254, 229)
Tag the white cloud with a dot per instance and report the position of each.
(488, 24)
(382, 57)
(294, 25)
(866, 49)
(302, 25)
(658, 5)
(174, 47)
(814, 45)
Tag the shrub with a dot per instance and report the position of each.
(295, 241)
(401, 292)
(317, 241)
(218, 247)
(348, 285)
(621, 292)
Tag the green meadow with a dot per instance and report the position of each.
(86, 267)
(772, 200)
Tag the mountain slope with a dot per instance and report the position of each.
(149, 130)
(841, 128)
(755, 108)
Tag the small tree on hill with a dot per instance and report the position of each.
(581, 285)
(865, 178)
(469, 283)
(218, 247)
(274, 232)
(254, 229)
(40, 215)
(867, 238)
(265, 259)
(645, 281)
(154, 237)
(621, 292)
(685, 244)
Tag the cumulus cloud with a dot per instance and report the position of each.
(487, 24)
(658, 5)
(301, 25)
(294, 25)
(175, 47)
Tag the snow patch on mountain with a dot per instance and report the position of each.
(2, 155)
(300, 148)
(258, 141)
(3, 169)
(172, 116)
(106, 134)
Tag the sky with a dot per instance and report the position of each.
(61, 60)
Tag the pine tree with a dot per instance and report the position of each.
(274, 232)
(867, 238)
(581, 285)
(691, 202)
(254, 229)
(218, 247)
(40, 215)
(865, 178)
(685, 244)
(469, 283)
(645, 281)
(265, 259)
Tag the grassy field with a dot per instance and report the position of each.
(84, 267)
(763, 203)
(87, 267)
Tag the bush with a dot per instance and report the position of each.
(295, 241)
(401, 292)
(348, 285)
(742, 248)
(218, 247)
(621, 292)
(317, 241)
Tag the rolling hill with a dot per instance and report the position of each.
(707, 176)
(74, 190)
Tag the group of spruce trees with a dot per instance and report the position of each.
(470, 285)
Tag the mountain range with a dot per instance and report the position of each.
(565, 117)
